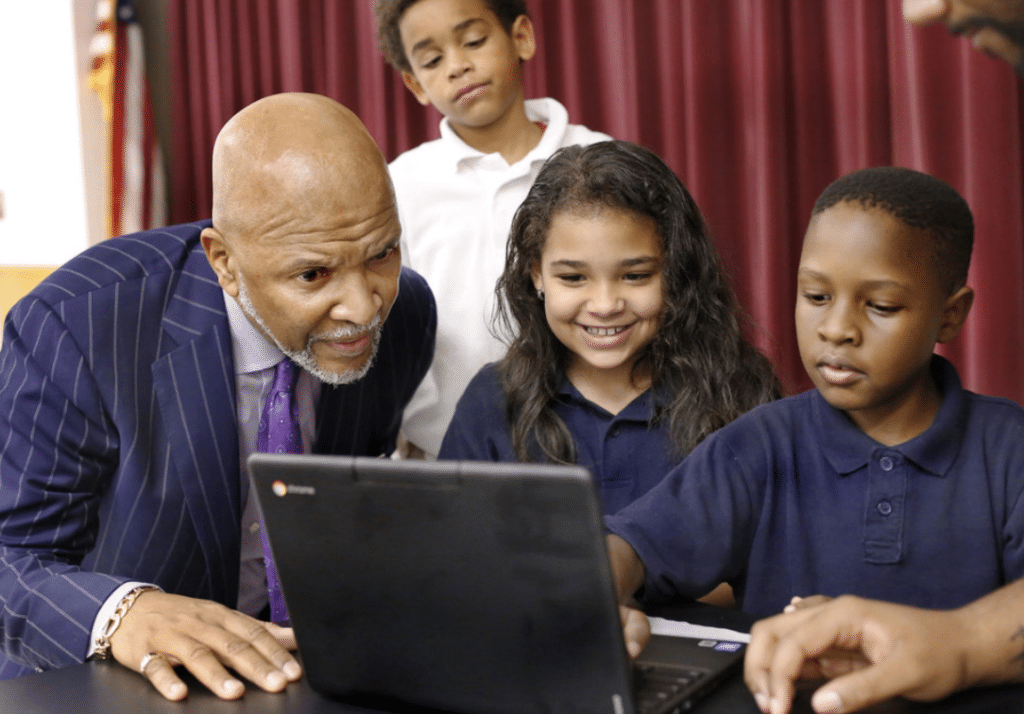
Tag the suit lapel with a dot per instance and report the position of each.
(195, 388)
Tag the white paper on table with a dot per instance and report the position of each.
(678, 628)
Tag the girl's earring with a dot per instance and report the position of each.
(540, 295)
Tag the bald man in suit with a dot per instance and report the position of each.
(131, 384)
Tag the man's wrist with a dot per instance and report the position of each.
(989, 637)
(108, 619)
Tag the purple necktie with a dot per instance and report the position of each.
(279, 434)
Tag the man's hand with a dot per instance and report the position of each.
(205, 637)
(873, 650)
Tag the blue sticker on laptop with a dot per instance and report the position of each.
(728, 647)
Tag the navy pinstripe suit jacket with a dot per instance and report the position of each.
(118, 435)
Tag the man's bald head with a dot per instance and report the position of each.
(305, 234)
(290, 153)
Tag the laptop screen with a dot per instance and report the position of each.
(470, 587)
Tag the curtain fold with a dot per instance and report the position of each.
(756, 104)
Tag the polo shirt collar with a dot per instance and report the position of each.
(933, 451)
(457, 151)
(547, 111)
(640, 409)
(556, 120)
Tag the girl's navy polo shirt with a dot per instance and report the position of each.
(793, 498)
(625, 452)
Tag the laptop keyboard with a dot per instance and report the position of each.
(654, 686)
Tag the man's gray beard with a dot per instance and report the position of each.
(305, 357)
(1013, 31)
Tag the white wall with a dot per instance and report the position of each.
(46, 107)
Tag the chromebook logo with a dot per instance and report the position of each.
(280, 488)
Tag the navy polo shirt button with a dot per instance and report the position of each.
(884, 507)
(615, 431)
(886, 463)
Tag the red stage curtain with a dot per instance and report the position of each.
(756, 104)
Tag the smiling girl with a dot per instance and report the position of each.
(625, 341)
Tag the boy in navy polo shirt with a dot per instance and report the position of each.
(888, 480)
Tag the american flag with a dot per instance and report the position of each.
(135, 167)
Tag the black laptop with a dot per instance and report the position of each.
(462, 586)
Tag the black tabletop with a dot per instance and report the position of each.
(106, 687)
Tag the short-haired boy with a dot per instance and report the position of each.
(888, 480)
(457, 195)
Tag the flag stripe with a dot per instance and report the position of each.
(136, 199)
(117, 156)
(149, 148)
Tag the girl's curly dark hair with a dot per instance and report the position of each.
(704, 372)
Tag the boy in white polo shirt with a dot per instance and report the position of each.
(457, 195)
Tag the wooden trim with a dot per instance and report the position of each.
(17, 281)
